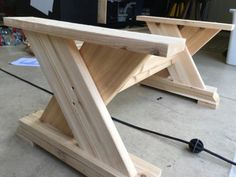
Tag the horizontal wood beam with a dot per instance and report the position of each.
(65, 148)
(183, 22)
(132, 41)
(208, 96)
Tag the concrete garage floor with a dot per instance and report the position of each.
(173, 115)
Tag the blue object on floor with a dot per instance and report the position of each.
(30, 62)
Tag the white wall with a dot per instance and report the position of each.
(219, 10)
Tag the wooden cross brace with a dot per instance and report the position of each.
(76, 126)
(183, 77)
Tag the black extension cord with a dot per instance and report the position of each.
(28, 82)
(195, 145)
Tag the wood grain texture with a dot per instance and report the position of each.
(80, 101)
(111, 68)
(183, 22)
(183, 69)
(207, 96)
(65, 149)
(151, 66)
(53, 116)
(114, 70)
(132, 41)
(184, 78)
(197, 38)
(187, 32)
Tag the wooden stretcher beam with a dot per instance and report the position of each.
(183, 22)
(132, 41)
(207, 96)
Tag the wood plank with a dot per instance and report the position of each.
(111, 68)
(80, 101)
(188, 32)
(112, 71)
(53, 116)
(183, 69)
(132, 41)
(183, 22)
(102, 11)
(150, 67)
(208, 96)
(66, 149)
(197, 39)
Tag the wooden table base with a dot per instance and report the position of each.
(76, 126)
(183, 77)
(65, 148)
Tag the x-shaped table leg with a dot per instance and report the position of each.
(183, 77)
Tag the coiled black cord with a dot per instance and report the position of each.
(195, 145)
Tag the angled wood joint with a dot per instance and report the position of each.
(76, 126)
(184, 77)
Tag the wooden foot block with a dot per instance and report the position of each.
(207, 97)
(20, 134)
(208, 104)
(65, 148)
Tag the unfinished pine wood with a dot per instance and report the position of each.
(84, 77)
(110, 77)
(197, 33)
(132, 41)
(208, 96)
(53, 116)
(188, 32)
(183, 22)
(65, 148)
(80, 101)
(197, 37)
(83, 82)
(114, 70)
(111, 68)
(184, 69)
(151, 66)
(183, 73)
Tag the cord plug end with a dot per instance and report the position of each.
(196, 146)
